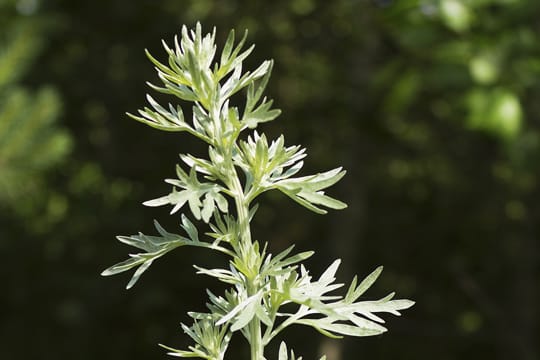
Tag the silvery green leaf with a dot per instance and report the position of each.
(329, 275)
(355, 292)
(202, 166)
(276, 259)
(218, 305)
(315, 182)
(278, 264)
(211, 341)
(123, 266)
(284, 355)
(223, 275)
(252, 211)
(159, 121)
(306, 190)
(262, 314)
(221, 202)
(241, 307)
(383, 305)
(159, 66)
(228, 47)
(358, 320)
(256, 89)
(249, 77)
(191, 193)
(144, 266)
(231, 58)
(155, 247)
(293, 195)
(319, 198)
(207, 207)
(246, 314)
(263, 113)
(227, 89)
(325, 179)
(190, 229)
(293, 170)
(333, 315)
(176, 198)
(335, 330)
(181, 91)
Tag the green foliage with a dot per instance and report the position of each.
(421, 174)
(468, 70)
(261, 283)
(31, 142)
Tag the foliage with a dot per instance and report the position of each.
(451, 209)
(482, 75)
(31, 142)
(261, 283)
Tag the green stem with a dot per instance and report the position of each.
(242, 206)
(257, 346)
(247, 248)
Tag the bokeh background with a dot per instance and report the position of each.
(433, 107)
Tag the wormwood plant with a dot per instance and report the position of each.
(235, 173)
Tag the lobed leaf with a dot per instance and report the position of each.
(306, 190)
(155, 247)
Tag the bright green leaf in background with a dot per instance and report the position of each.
(456, 14)
(484, 68)
(497, 111)
(31, 141)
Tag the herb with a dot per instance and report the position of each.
(220, 191)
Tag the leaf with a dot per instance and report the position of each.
(280, 256)
(302, 201)
(293, 170)
(283, 355)
(383, 305)
(247, 313)
(320, 198)
(278, 264)
(328, 276)
(306, 190)
(261, 114)
(138, 273)
(203, 166)
(355, 293)
(263, 315)
(331, 328)
(231, 59)
(253, 95)
(155, 247)
(283, 352)
(190, 229)
(122, 266)
(207, 207)
(191, 192)
(223, 275)
(227, 49)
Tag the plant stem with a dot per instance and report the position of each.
(256, 343)
(257, 346)
(242, 209)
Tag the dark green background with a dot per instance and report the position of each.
(432, 107)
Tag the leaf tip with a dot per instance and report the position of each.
(106, 272)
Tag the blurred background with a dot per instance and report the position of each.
(431, 105)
